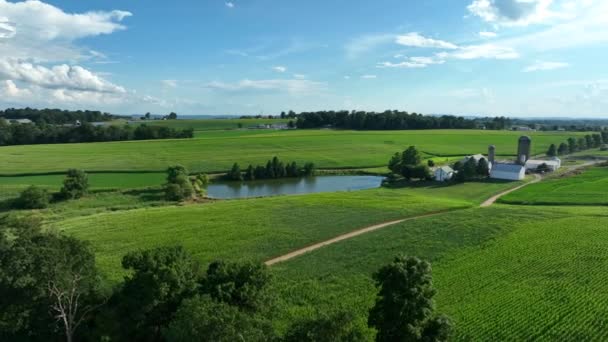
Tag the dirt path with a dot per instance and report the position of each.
(347, 236)
(487, 203)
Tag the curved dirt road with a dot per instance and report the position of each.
(493, 199)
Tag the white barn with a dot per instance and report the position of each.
(553, 164)
(508, 172)
(444, 174)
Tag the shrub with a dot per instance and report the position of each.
(75, 185)
(33, 198)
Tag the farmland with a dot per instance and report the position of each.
(590, 187)
(502, 273)
(217, 152)
(214, 124)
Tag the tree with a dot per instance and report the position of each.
(75, 185)
(250, 173)
(411, 156)
(597, 140)
(172, 116)
(243, 285)
(160, 279)
(309, 169)
(33, 198)
(562, 149)
(339, 327)
(404, 305)
(48, 283)
(483, 168)
(552, 152)
(178, 186)
(395, 163)
(203, 319)
(572, 145)
(235, 173)
(430, 163)
(469, 169)
(543, 168)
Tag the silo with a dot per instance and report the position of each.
(491, 154)
(524, 149)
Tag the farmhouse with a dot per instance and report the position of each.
(508, 171)
(444, 174)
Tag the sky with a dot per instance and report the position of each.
(465, 57)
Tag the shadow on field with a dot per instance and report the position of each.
(402, 183)
(147, 194)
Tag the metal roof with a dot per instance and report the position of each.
(511, 168)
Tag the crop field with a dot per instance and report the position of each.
(96, 180)
(587, 188)
(217, 152)
(214, 124)
(502, 273)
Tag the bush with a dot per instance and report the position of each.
(75, 185)
(33, 198)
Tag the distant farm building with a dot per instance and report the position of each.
(20, 121)
(444, 174)
(553, 165)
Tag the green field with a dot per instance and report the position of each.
(502, 273)
(217, 152)
(214, 124)
(590, 187)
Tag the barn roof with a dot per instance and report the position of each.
(510, 168)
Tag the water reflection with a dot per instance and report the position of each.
(287, 186)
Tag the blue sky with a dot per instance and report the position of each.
(484, 57)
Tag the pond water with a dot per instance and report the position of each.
(290, 186)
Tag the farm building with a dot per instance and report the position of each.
(508, 171)
(554, 164)
(20, 121)
(444, 174)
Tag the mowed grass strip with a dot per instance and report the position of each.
(590, 187)
(217, 152)
(502, 273)
(255, 229)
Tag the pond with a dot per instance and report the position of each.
(290, 186)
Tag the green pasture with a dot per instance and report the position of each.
(502, 273)
(214, 124)
(217, 152)
(590, 187)
(96, 180)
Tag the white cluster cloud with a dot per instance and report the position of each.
(230, 4)
(369, 77)
(412, 62)
(512, 12)
(279, 68)
(414, 39)
(483, 51)
(545, 66)
(291, 86)
(169, 83)
(488, 34)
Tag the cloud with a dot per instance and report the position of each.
(169, 83)
(545, 66)
(483, 51)
(39, 31)
(414, 39)
(369, 77)
(59, 76)
(412, 62)
(512, 12)
(9, 89)
(488, 34)
(230, 4)
(299, 76)
(294, 86)
(346, 77)
(363, 44)
(279, 68)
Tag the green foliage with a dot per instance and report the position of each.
(411, 156)
(203, 319)
(235, 173)
(552, 152)
(160, 280)
(483, 168)
(75, 185)
(404, 306)
(338, 327)
(309, 169)
(395, 163)
(33, 198)
(563, 149)
(242, 285)
(543, 168)
(430, 163)
(179, 186)
(274, 169)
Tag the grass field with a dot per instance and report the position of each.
(258, 229)
(587, 188)
(502, 273)
(214, 124)
(217, 151)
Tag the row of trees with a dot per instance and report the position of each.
(471, 169)
(388, 120)
(274, 169)
(56, 116)
(51, 290)
(573, 145)
(181, 186)
(26, 134)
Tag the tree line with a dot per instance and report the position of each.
(27, 134)
(388, 120)
(273, 169)
(52, 290)
(56, 116)
(573, 145)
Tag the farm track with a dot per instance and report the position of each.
(487, 203)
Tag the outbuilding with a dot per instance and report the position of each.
(444, 174)
(553, 164)
(513, 172)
